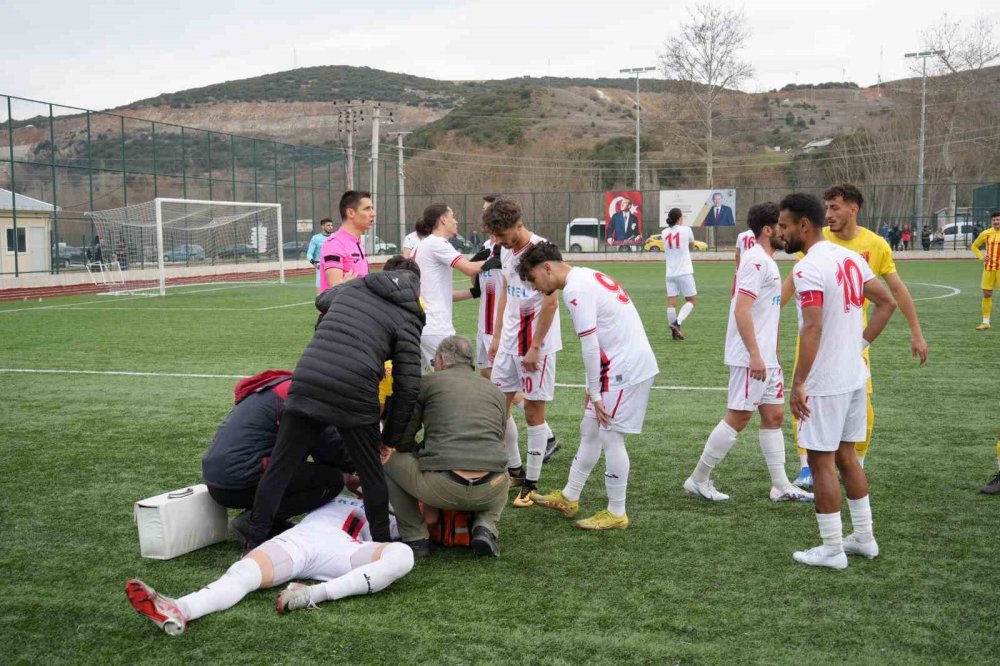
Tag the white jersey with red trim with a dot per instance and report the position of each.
(436, 258)
(490, 283)
(524, 304)
(677, 250)
(833, 278)
(410, 241)
(598, 305)
(745, 241)
(757, 277)
(344, 513)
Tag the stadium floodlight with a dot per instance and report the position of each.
(638, 109)
(923, 55)
(143, 246)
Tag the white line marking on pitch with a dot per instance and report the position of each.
(126, 373)
(953, 291)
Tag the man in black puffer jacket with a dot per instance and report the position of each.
(366, 322)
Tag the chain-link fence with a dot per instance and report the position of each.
(61, 162)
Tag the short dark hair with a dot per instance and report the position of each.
(401, 263)
(762, 215)
(501, 215)
(849, 193)
(536, 256)
(673, 215)
(324, 221)
(805, 205)
(490, 198)
(352, 199)
(995, 213)
(717, 194)
(429, 220)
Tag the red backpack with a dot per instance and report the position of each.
(262, 381)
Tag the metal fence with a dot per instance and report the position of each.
(78, 160)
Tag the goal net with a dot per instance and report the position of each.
(146, 247)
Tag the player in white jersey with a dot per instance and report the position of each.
(410, 243)
(436, 258)
(756, 382)
(828, 388)
(331, 544)
(525, 341)
(678, 241)
(619, 366)
(744, 241)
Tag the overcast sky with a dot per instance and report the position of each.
(104, 53)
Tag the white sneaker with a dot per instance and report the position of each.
(294, 597)
(852, 546)
(818, 557)
(790, 494)
(162, 610)
(705, 491)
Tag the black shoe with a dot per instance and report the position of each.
(675, 331)
(239, 526)
(484, 542)
(421, 548)
(516, 476)
(279, 527)
(993, 487)
(551, 447)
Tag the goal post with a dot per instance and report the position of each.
(165, 242)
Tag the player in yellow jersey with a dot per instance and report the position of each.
(843, 203)
(991, 265)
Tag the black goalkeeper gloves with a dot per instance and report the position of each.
(482, 255)
(491, 263)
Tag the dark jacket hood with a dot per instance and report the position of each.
(399, 287)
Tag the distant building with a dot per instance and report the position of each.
(30, 243)
(813, 145)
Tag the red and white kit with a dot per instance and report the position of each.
(621, 366)
(677, 251)
(757, 277)
(436, 258)
(833, 278)
(491, 283)
(520, 321)
(745, 241)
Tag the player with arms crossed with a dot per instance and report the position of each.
(843, 204)
(678, 241)
(525, 342)
(991, 265)
(331, 544)
(828, 388)
(756, 382)
(342, 258)
(620, 367)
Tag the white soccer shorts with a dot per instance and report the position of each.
(834, 419)
(318, 554)
(510, 376)
(682, 285)
(746, 394)
(627, 406)
(428, 348)
(483, 342)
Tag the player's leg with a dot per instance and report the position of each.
(740, 406)
(772, 440)
(690, 292)
(567, 500)
(993, 486)
(505, 377)
(374, 567)
(552, 443)
(673, 290)
(428, 348)
(862, 540)
(861, 447)
(988, 283)
(804, 479)
(539, 389)
(362, 445)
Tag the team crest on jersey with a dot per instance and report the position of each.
(573, 302)
(757, 266)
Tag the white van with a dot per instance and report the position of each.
(585, 234)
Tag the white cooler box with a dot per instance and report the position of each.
(179, 522)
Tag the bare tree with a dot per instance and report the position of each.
(706, 53)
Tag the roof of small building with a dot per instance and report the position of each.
(8, 200)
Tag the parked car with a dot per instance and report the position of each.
(462, 245)
(654, 243)
(237, 251)
(381, 246)
(957, 235)
(66, 255)
(185, 253)
(294, 250)
(585, 234)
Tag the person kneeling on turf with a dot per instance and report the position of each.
(331, 544)
(461, 463)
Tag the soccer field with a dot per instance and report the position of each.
(119, 398)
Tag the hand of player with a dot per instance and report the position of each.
(758, 370)
(384, 453)
(531, 360)
(603, 418)
(494, 347)
(918, 347)
(798, 402)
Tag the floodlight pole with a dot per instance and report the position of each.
(374, 178)
(923, 55)
(638, 110)
(402, 184)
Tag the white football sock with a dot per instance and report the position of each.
(583, 462)
(519, 406)
(395, 562)
(548, 432)
(861, 461)
(616, 469)
(831, 530)
(772, 445)
(671, 315)
(685, 311)
(536, 451)
(510, 444)
(722, 439)
(861, 518)
(240, 580)
(803, 460)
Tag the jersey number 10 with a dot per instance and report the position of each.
(850, 278)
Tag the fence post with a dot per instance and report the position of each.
(13, 182)
(54, 231)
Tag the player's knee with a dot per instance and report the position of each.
(692, 299)
(534, 412)
(987, 293)
(738, 420)
(399, 558)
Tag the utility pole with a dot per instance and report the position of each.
(638, 110)
(349, 116)
(401, 186)
(923, 55)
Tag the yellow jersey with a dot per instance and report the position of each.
(873, 248)
(385, 386)
(990, 238)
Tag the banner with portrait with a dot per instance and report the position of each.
(623, 218)
(701, 208)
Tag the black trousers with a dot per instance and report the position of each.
(295, 436)
(312, 486)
